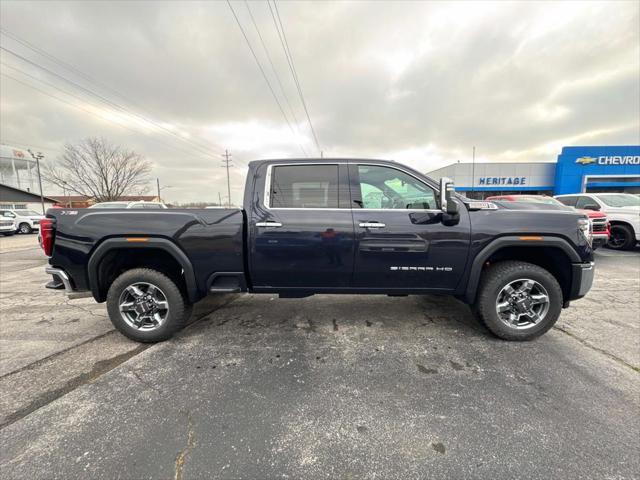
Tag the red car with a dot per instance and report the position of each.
(599, 224)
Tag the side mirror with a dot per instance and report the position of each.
(592, 206)
(447, 192)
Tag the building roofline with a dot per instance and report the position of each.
(36, 195)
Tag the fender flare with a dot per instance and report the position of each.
(152, 242)
(511, 241)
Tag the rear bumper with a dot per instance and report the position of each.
(582, 279)
(62, 281)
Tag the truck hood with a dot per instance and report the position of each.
(624, 210)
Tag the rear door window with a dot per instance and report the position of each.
(304, 186)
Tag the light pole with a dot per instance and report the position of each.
(160, 189)
(37, 157)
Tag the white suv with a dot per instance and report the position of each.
(138, 205)
(622, 209)
(7, 223)
(27, 220)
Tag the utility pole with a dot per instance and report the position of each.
(226, 161)
(473, 169)
(219, 199)
(158, 186)
(38, 156)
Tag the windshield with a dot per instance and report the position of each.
(620, 200)
(110, 205)
(28, 213)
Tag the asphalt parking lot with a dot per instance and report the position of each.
(322, 387)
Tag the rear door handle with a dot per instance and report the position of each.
(268, 224)
(372, 225)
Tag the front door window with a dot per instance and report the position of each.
(390, 189)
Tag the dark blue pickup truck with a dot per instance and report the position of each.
(324, 226)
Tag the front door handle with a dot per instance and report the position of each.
(268, 224)
(372, 225)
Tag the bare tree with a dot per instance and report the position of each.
(100, 170)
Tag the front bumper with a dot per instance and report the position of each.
(582, 279)
(62, 281)
(599, 239)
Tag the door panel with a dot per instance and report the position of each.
(404, 248)
(298, 247)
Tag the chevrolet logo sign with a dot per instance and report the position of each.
(586, 160)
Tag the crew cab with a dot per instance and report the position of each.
(622, 209)
(598, 222)
(332, 226)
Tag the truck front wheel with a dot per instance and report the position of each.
(622, 237)
(146, 305)
(518, 300)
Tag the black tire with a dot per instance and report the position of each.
(175, 318)
(497, 277)
(25, 228)
(622, 237)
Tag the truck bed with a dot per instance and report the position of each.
(211, 239)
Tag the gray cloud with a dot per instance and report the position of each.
(421, 82)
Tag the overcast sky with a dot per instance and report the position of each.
(418, 82)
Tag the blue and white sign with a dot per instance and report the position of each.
(508, 181)
(604, 167)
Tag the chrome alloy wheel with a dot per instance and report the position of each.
(522, 304)
(143, 306)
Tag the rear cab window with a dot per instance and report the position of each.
(303, 186)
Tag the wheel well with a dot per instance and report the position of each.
(620, 222)
(119, 260)
(552, 259)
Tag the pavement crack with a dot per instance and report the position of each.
(83, 309)
(599, 350)
(99, 369)
(181, 458)
(144, 382)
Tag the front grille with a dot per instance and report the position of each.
(5, 223)
(599, 225)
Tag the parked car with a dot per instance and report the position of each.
(7, 223)
(598, 222)
(138, 205)
(26, 220)
(622, 209)
(325, 226)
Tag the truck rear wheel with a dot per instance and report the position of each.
(146, 305)
(518, 300)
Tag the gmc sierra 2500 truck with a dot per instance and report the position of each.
(338, 226)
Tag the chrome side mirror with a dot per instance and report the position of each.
(447, 193)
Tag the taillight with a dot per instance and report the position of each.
(46, 236)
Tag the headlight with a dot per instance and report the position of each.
(583, 226)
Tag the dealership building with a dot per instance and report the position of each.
(577, 169)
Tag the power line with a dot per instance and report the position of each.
(275, 72)
(88, 77)
(43, 92)
(292, 68)
(107, 101)
(264, 75)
